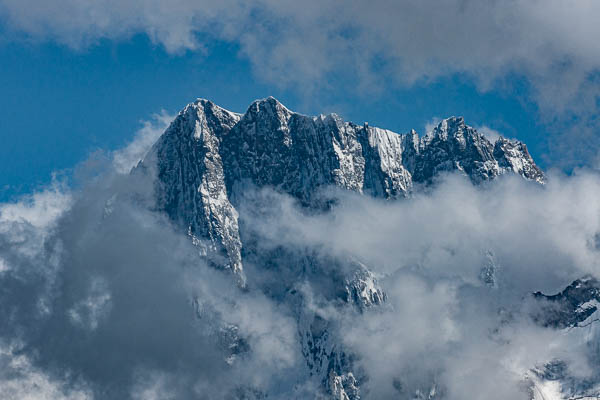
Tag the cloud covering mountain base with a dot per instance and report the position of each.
(102, 298)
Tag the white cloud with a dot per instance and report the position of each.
(491, 134)
(151, 386)
(428, 253)
(126, 158)
(89, 283)
(442, 323)
(40, 209)
(375, 45)
(3, 265)
(456, 224)
(101, 260)
(552, 42)
(88, 312)
(430, 125)
(26, 224)
(21, 380)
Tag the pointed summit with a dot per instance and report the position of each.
(202, 116)
(208, 154)
(208, 158)
(451, 123)
(448, 127)
(269, 105)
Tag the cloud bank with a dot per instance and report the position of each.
(459, 265)
(103, 298)
(552, 43)
(126, 158)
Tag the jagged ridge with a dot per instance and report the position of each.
(208, 155)
(208, 151)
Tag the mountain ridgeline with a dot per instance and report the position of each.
(208, 157)
(208, 152)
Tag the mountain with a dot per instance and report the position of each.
(208, 151)
(208, 158)
(574, 311)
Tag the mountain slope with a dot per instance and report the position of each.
(208, 158)
(208, 152)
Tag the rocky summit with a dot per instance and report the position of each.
(208, 157)
(207, 152)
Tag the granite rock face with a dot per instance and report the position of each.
(208, 153)
(575, 312)
(572, 307)
(209, 156)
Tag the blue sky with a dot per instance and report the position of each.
(68, 92)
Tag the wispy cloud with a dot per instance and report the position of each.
(103, 293)
(443, 322)
(430, 125)
(126, 158)
(112, 299)
(490, 133)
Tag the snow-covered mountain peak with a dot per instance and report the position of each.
(450, 124)
(199, 118)
(208, 151)
(331, 118)
(269, 106)
(209, 157)
(450, 128)
(204, 105)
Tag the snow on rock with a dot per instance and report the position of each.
(208, 153)
(208, 156)
(363, 290)
(575, 311)
(191, 181)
